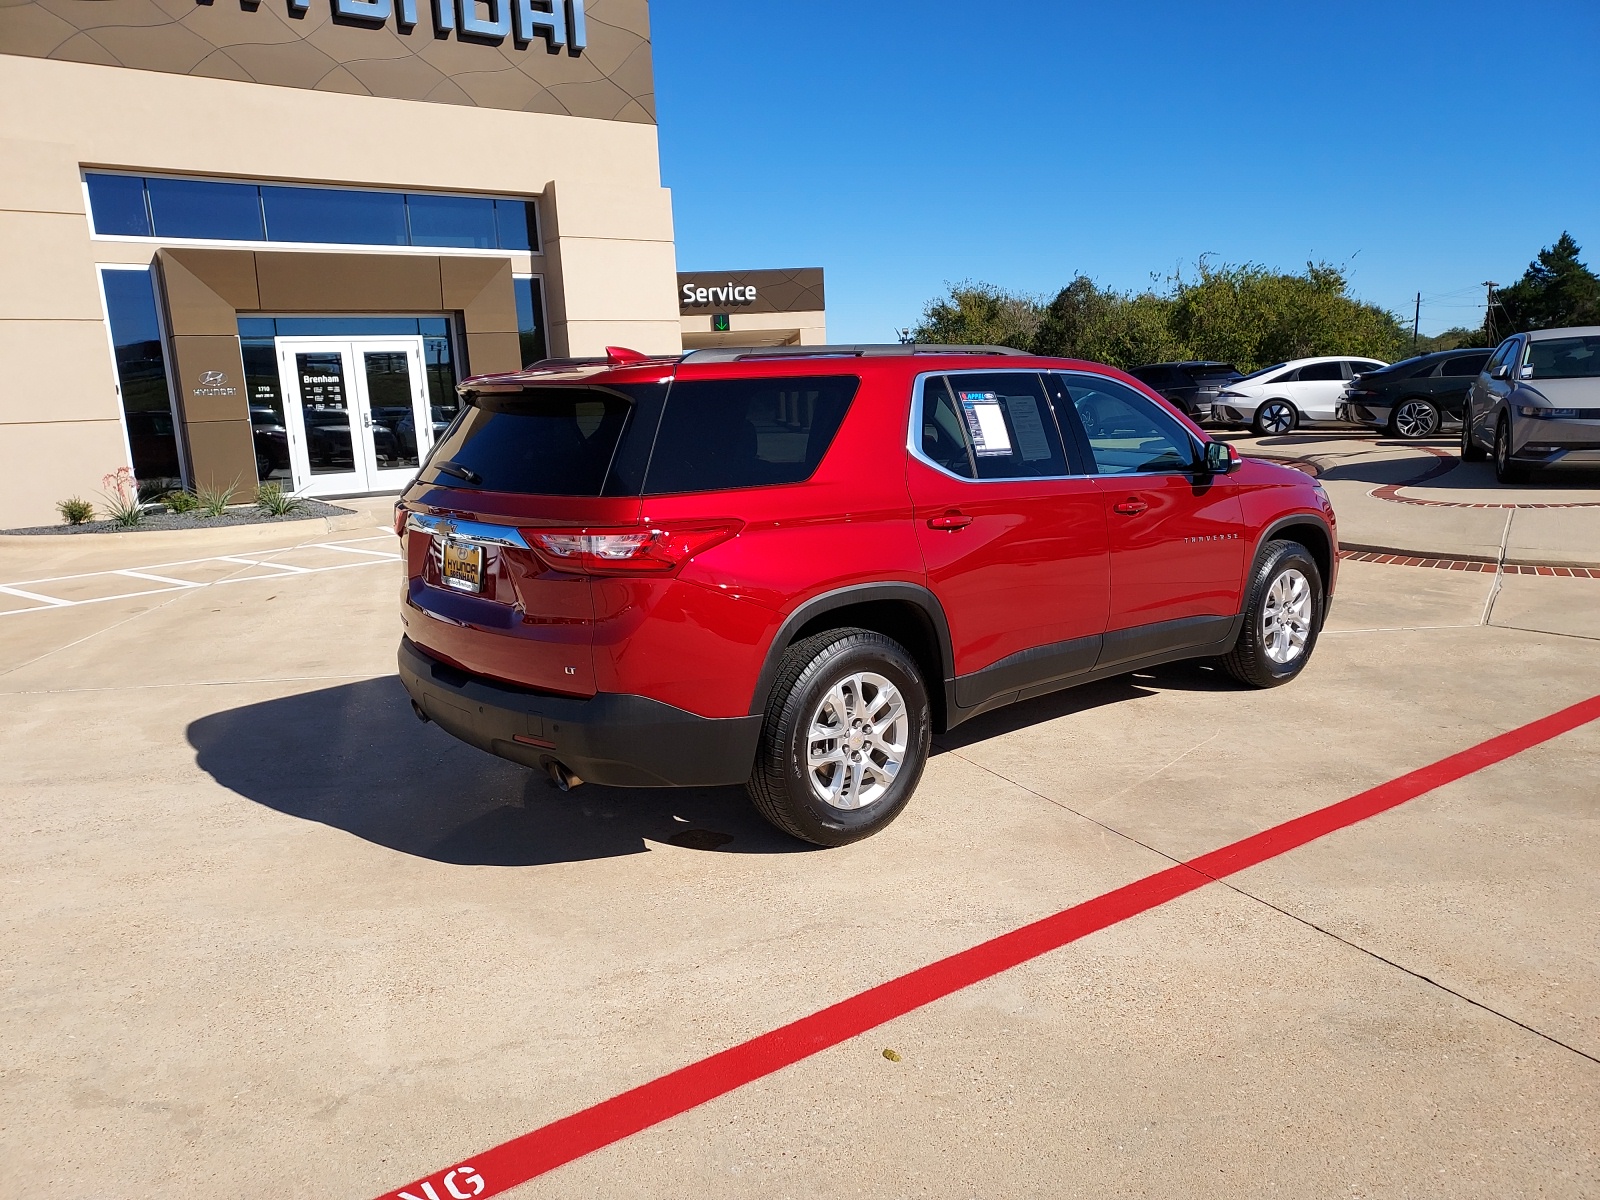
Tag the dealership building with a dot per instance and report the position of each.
(250, 240)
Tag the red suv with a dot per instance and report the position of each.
(788, 568)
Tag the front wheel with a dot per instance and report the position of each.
(1282, 617)
(1415, 419)
(1505, 469)
(1470, 450)
(1275, 417)
(845, 739)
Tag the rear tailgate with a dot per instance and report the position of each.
(477, 596)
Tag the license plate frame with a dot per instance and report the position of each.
(461, 565)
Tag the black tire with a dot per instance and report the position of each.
(780, 786)
(1250, 661)
(1275, 408)
(1470, 450)
(1418, 414)
(1505, 470)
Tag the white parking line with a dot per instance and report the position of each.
(182, 583)
(38, 590)
(47, 601)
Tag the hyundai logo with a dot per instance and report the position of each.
(211, 379)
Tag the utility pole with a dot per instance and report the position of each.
(1416, 323)
(1488, 312)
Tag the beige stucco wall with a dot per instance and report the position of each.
(608, 264)
(757, 329)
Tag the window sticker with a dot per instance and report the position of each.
(986, 423)
(1026, 421)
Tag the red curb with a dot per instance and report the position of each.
(514, 1163)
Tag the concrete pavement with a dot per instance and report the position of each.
(1417, 498)
(263, 934)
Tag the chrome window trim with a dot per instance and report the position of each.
(472, 531)
(914, 439)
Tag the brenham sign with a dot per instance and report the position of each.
(562, 24)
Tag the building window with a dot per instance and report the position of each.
(208, 210)
(142, 376)
(530, 319)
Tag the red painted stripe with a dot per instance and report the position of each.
(533, 1154)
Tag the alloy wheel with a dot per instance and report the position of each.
(857, 741)
(1286, 617)
(1416, 419)
(1276, 417)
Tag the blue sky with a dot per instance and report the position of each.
(1427, 145)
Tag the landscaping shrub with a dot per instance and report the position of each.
(75, 511)
(122, 497)
(275, 502)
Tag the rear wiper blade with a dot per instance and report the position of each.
(450, 467)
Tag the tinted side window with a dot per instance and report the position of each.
(1320, 371)
(1471, 364)
(718, 434)
(944, 438)
(1127, 434)
(544, 441)
(1008, 425)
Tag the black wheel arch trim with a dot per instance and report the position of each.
(1302, 518)
(848, 597)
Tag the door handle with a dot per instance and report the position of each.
(950, 522)
(1131, 507)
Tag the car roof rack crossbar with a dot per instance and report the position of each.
(724, 354)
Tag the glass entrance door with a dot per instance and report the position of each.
(357, 412)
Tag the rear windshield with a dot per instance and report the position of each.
(1565, 358)
(546, 441)
(718, 434)
(1263, 371)
(1213, 374)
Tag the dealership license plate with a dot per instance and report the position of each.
(463, 566)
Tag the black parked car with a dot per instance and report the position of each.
(1192, 386)
(1416, 398)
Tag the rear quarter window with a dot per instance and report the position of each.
(722, 434)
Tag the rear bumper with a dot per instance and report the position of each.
(1372, 416)
(610, 739)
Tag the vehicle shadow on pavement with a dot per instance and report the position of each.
(354, 758)
(1187, 676)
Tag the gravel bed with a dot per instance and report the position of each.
(162, 521)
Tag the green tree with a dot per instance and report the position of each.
(1253, 317)
(1247, 315)
(980, 314)
(1556, 290)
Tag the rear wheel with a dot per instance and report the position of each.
(1282, 617)
(1470, 450)
(1414, 418)
(1505, 469)
(1275, 417)
(845, 739)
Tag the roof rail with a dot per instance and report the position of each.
(723, 354)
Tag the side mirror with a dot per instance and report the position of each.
(1525, 372)
(1221, 459)
(1501, 372)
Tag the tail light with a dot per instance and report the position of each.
(656, 550)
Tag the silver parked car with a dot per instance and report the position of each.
(1536, 403)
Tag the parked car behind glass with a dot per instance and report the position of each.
(1536, 404)
(1191, 386)
(1278, 398)
(1415, 398)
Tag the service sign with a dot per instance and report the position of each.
(711, 292)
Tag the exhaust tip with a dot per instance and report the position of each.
(421, 716)
(562, 775)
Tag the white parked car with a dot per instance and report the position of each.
(1276, 399)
